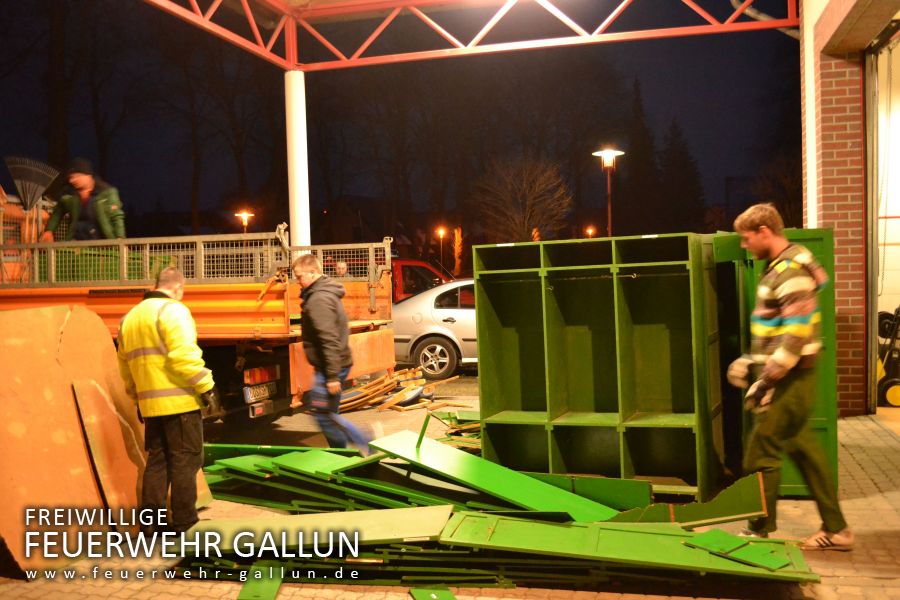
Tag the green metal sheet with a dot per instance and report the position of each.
(214, 478)
(320, 463)
(253, 501)
(252, 464)
(374, 526)
(468, 415)
(656, 546)
(326, 499)
(214, 452)
(328, 467)
(620, 494)
(413, 496)
(717, 541)
(761, 556)
(742, 500)
(343, 490)
(491, 478)
(442, 593)
(263, 581)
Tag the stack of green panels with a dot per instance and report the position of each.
(596, 358)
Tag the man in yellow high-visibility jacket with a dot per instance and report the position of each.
(163, 370)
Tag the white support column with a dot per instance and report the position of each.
(297, 159)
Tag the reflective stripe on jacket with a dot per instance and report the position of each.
(159, 359)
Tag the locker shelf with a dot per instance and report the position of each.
(523, 417)
(661, 419)
(588, 419)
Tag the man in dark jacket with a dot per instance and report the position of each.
(93, 205)
(325, 333)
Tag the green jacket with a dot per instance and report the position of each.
(108, 208)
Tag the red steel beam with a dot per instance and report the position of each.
(341, 12)
(204, 22)
(648, 34)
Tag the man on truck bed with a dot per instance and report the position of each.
(325, 331)
(92, 204)
(163, 369)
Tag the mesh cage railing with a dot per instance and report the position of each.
(203, 259)
(351, 262)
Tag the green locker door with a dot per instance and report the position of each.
(824, 420)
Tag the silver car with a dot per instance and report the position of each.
(435, 329)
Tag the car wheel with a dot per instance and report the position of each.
(436, 357)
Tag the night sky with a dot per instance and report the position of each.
(727, 92)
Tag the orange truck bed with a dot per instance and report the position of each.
(241, 318)
(221, 311)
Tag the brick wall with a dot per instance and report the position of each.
(840, 133)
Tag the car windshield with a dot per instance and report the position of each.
(418, 279)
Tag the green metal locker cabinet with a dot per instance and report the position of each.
(601, 357)
(745, 275)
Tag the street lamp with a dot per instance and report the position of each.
(608, 162)
(441, 233)
(590, 231)
(244, 216)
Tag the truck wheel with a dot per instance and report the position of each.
(436, 357)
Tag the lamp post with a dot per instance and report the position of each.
(441, 231)
(608, 162)
(589, 231)
(244, 216)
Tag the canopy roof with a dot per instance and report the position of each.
(317, 35)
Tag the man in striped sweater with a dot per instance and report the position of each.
(785, 340)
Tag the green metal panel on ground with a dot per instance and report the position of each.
(442, 593)
(214, 451)
(374, 527)
(600, 357)
(652, 546)
(747, 273)
(621, 494)
(744, 499)
(263, 581)
(486, 476)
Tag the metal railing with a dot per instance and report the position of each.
(234, 258)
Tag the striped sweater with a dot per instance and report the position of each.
(786, 322)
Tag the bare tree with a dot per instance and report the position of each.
(781, 183)
(516, 197)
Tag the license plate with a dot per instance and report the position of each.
(255, 393)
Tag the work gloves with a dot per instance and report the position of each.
(759, 395)
(212, 404)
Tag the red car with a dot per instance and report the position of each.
(411, 276)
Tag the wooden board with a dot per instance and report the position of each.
(117, 456)
(45, 460)
(373, 351)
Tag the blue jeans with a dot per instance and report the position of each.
(326, 410)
